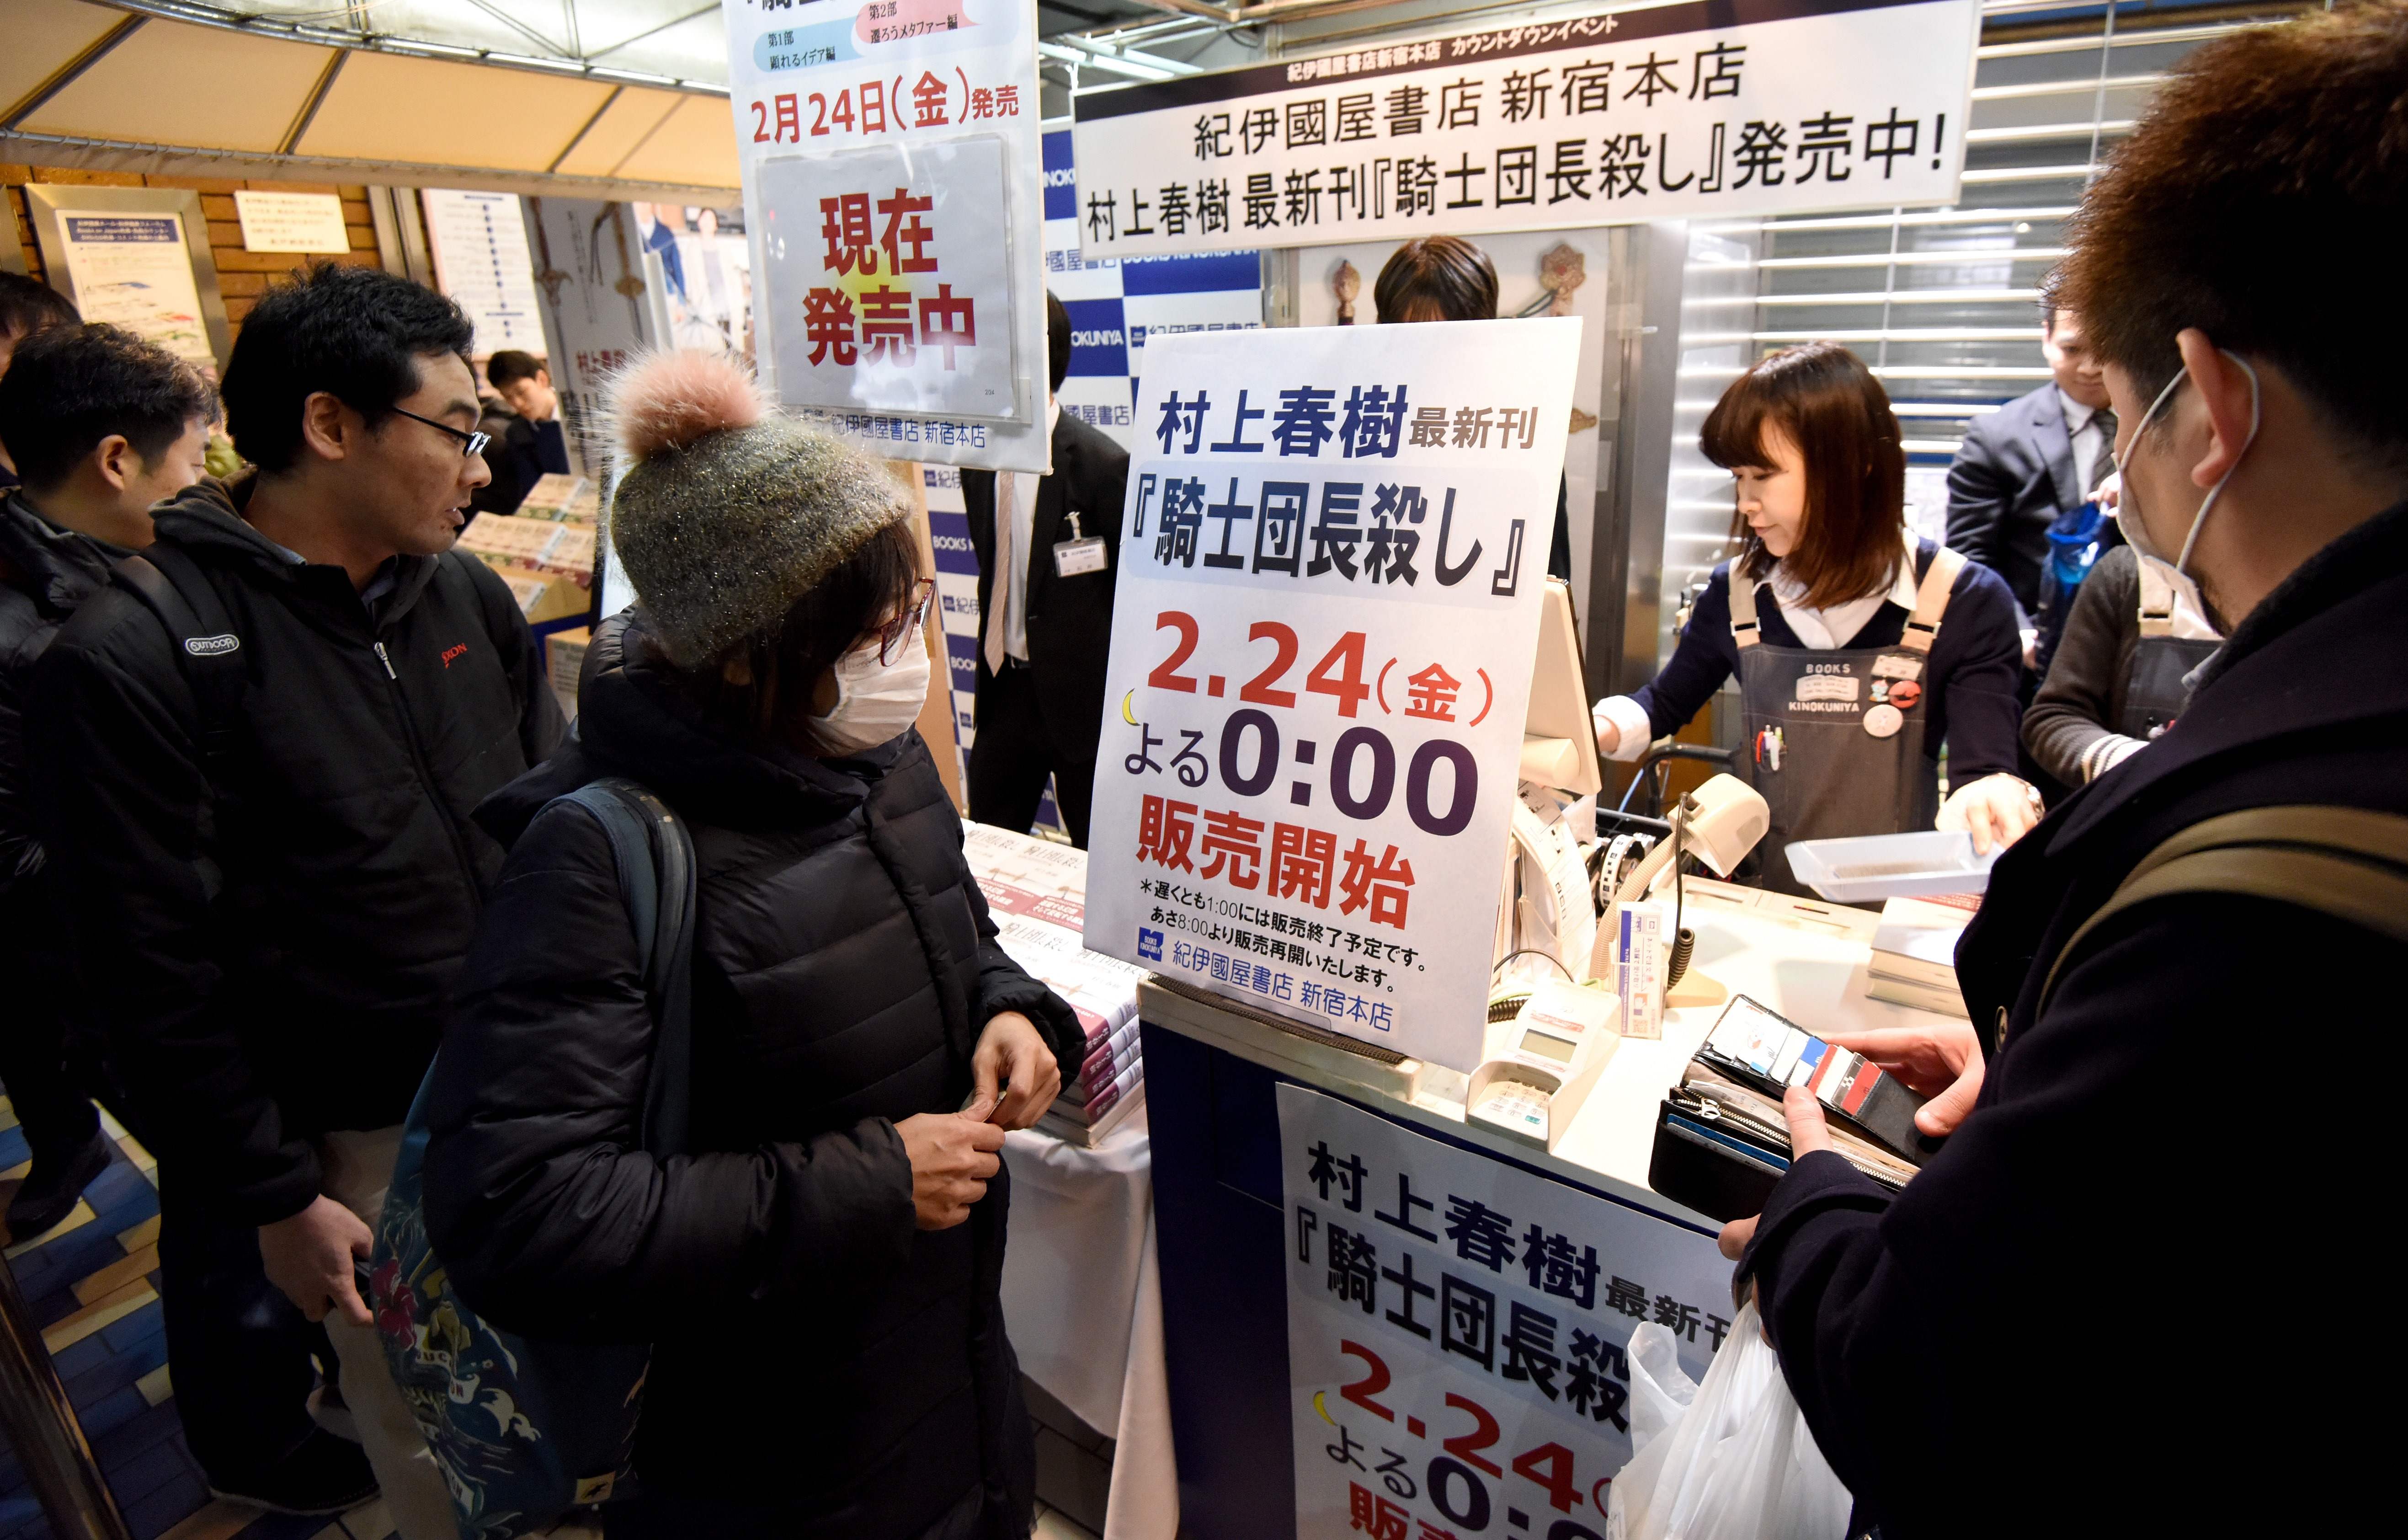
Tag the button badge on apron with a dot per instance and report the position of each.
(1883, 721)
(1904, 694)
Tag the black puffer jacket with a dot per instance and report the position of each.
(815, 1350)
(269, 957)
(45, 573)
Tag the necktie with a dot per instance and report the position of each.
(2105, 460)
(999, 588)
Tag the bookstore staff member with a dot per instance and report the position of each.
(1859, 648)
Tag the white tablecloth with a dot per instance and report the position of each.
(1082, 1299)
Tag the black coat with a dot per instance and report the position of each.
(45, 573)
(2012, 477)
(521, 454)
(814, 1349)
(1070, 619)
(2095, 1311)
(270, 958)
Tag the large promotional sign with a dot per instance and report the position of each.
(893, 193)
(1711, 108)
(1458, 1333)
(1327, 612)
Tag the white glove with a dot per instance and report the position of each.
(1997, 810)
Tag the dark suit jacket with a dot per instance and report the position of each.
(2013, 476)
(2125, 1190)
(1070, 619)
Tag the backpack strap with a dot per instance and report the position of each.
(208, 650)
(654, 855)
(2350, 864)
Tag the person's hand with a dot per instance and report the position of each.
(951, 1155)
(1808, 1134)
(1012, 1054)
(1942, 1062)
(309, 1256)
(1997, 810)
(1609, 737)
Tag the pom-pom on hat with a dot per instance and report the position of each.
(725, 512)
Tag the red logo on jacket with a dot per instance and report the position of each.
(455, 649)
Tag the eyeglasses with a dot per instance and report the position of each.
(907, 621)
(470, 443)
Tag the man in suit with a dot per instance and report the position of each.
(2034, 459)
(1045, 614)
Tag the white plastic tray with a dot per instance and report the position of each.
(1890, 866)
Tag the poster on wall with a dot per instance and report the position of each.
(893, 193)
(707, 266)
(290, 222)
(1327, 609)
(478, 243)
(133, 270)
(1701, 109)
(1458, 1331)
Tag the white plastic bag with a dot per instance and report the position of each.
(1730, 1459)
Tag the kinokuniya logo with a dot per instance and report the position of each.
(1062, 176)
(1111, 338)
(216, 646)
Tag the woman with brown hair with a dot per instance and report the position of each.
(1859, 648)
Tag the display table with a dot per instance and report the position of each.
(1082, 1299)
(1213, 1074)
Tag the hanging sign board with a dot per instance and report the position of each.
(893, 191)
(480, 246)
(1458, 1331)
(1322, 630)
(290, 222)
(1711, 108)
(133, 270)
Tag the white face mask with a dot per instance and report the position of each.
(875, 702)
(2136, 529)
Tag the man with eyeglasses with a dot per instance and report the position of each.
(257, 752)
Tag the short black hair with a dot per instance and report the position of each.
(1435, 278)
(1057, 340)
(2273, 163)
(355, 332)
(72, 386)
(509, 366)
(27, 306)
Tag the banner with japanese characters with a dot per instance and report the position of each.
(894, 200)
(1702, 109)
(1458, 1333)
(1324, 626)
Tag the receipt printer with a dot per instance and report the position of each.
(1541, 1065)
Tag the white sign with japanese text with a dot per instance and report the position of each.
(290, 222)
(135, 272)
(1323, 631)
(893, 191)
(479, 244)
(1458, 1331)
(1701, 109)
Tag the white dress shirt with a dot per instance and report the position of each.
(1818, 630)
(1015, 491)
(2093, 451)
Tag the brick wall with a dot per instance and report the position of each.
(242, 276)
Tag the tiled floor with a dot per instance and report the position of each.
(93, 1287)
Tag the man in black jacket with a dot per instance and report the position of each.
(273, 891)
(101, 424)
(1045, 630)
(528, 441)
(2068, 1323)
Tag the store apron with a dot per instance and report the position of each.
(1834, 740)
(2157, 687)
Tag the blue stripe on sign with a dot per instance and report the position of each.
(962, 653)
(1188, 275)
(950, 534)
(1061, 187)
(1098, 337)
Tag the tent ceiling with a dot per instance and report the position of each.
(137, 87)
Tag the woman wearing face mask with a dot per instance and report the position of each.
(1859, 648)
(820, 1277)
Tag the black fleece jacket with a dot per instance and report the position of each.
(813, 1349)
(270, 957)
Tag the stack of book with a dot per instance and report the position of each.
(1035, 890)
(1915, 952)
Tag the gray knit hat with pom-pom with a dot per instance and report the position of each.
(725, 512)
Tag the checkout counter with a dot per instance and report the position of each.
(1214, 1067)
